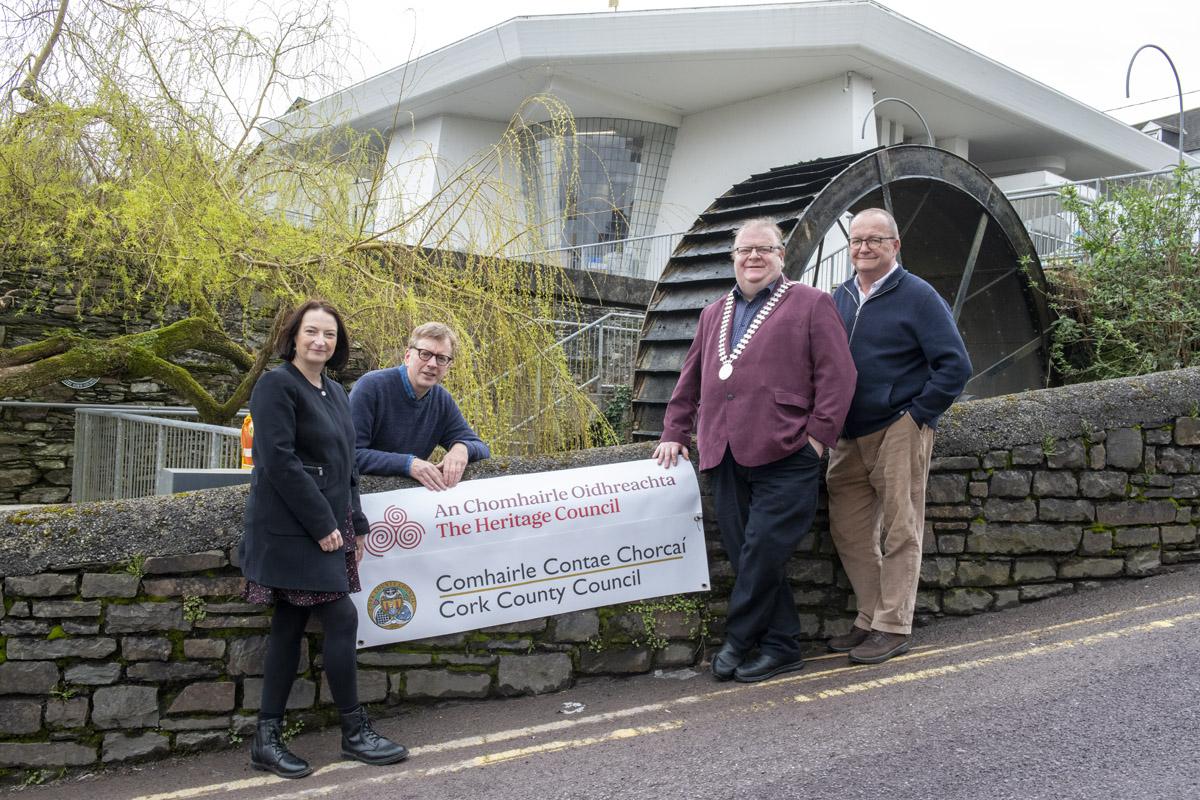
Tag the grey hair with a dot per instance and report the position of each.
(882, 212)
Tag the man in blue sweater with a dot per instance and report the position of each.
(911, 364)
(401, 414)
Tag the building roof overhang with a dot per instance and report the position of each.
(666, 65)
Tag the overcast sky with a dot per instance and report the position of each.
(1080, 47)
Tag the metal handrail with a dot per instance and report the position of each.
(594, 244)
(560, 344)
(831, 271)
(1041, 191)
(592, 380)
(118, 454)
(1051, 227)
(638, 256)
(173, 423)
(593, 324)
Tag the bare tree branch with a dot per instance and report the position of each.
(28, 88)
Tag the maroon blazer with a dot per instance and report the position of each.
(794, 380)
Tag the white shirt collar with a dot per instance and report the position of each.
(862, 296)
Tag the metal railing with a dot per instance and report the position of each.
(645, 257)
(831, 272)
(1053, 228)
(118, 455)
(600, 353)
(640, 257)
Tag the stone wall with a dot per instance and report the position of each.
(122, 634)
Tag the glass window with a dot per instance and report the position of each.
(601, 183)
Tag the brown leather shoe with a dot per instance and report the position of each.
(848, 641)
(880, 646)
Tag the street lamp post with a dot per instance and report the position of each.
(862, 133)
(1178, 87)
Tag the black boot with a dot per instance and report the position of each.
(270, 754)
(360, 741)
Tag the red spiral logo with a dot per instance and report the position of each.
(394, 529)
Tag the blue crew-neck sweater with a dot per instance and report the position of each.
(392, 426)
(908, 351)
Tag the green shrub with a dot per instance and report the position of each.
(1131, 304)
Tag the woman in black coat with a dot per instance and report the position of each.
(304, 534)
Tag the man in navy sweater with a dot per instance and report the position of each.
(911, 364)
(401, 414)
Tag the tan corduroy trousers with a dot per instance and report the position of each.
(876, 487)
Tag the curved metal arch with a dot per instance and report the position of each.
(1178, 86)
(955, 224)
(862, 133)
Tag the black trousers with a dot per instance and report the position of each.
(764, 512)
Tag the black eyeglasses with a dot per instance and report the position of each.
(425, 355)
(871, 241)
(761, 249)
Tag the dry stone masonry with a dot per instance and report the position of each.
(122, 634)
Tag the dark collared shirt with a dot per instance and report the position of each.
(744, 310)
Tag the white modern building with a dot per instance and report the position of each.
(673, 107)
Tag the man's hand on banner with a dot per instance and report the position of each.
(453, 464)
(667, 453)
(427, 474)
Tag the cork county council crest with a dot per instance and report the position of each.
(392, 605)
(394, 529)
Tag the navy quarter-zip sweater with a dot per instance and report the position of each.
(909, 354)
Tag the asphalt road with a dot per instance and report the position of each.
(1093, 695)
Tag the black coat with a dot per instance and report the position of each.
(304, 483)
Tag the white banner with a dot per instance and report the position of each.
(500, 550)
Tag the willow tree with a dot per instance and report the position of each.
(139, 174)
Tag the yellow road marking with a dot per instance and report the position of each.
(480, 761)
(533, 730)
(199, 791)
(1061, 626)
(610, 716)
(553, 747)
(987, 661)
(925, 652)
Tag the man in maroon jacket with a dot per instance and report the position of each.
(772, 376)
